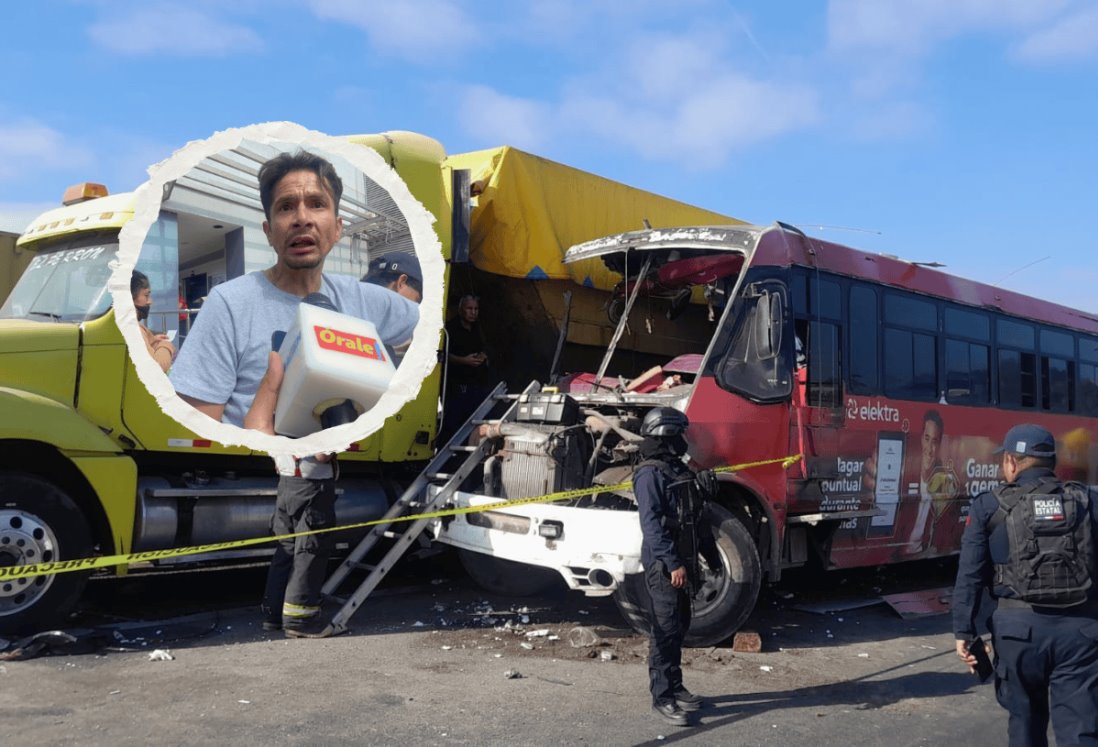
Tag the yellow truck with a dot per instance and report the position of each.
(89, 464)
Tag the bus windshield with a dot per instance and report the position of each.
(65, 283)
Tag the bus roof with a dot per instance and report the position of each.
(781, 245)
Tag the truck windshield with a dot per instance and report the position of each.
(66, 282)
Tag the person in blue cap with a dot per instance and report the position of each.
(1030, 542)
(399, 272)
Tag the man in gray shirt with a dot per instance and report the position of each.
(221, 365)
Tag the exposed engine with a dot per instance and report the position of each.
(561, 443)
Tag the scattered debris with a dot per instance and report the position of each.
(747, 642)
(512, 674)
(419, 624)
(607, 655)
(245, 702)
(447, 648)
(161, 654)
(115, 692)
(863, 656)
(766, 668)
(923, 603)
(540, 633)
(527, 646)
(554, 638)
(583, 637)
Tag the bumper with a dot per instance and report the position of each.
(593, 549)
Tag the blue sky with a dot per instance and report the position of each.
(961, 131)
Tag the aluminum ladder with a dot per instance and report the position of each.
(416, 500)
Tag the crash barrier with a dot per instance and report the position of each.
(108, 561)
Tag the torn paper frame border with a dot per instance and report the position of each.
(421, 357)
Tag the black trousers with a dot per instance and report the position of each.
(1047, 665)
(670, 617)
(299, 565)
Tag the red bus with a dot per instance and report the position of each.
(895, 381)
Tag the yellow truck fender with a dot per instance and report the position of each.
(30, 416)
(50, 439)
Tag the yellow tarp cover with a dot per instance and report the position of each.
(532, 210)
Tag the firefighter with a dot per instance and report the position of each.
(1031, 540)
(662, 484)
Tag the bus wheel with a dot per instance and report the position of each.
(38, 524)
(506, 577)
(726, 597)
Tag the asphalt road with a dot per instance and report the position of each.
(427, 659)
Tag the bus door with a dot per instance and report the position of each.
(818, 412)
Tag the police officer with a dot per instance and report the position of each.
(662, 484)
(1030, 542)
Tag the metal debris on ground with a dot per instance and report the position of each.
(512, 674)
(540, 633)
(583, 637)
(766, 668)
(607, 655)
(925, 603)
(161, 655)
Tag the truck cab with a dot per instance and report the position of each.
(89, 463)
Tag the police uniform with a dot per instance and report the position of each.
(670, 607)
(1038, 650)
(660, 483)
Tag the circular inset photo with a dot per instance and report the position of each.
(281, 289)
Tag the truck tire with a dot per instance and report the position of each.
(38, 524)
(725, 599)
(506, 577)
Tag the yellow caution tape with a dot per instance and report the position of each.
(107, 561)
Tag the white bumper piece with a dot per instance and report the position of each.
(593, 549)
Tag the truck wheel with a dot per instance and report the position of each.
(506, 577)
(726, 597)
(38, 524)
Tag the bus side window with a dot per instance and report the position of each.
(824, 365)
(910, 347)
(1017, 364)
(1017, 379)
(1057, 371)
(864, 317)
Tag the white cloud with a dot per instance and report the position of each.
(906, 28)
(678, 97)
(664, 97)
(498, 118)
(28, 147)
(1074, 36)
(416, 30)
(164, 29)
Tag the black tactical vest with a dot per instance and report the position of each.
(1052, 556)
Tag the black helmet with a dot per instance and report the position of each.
(664, 422)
